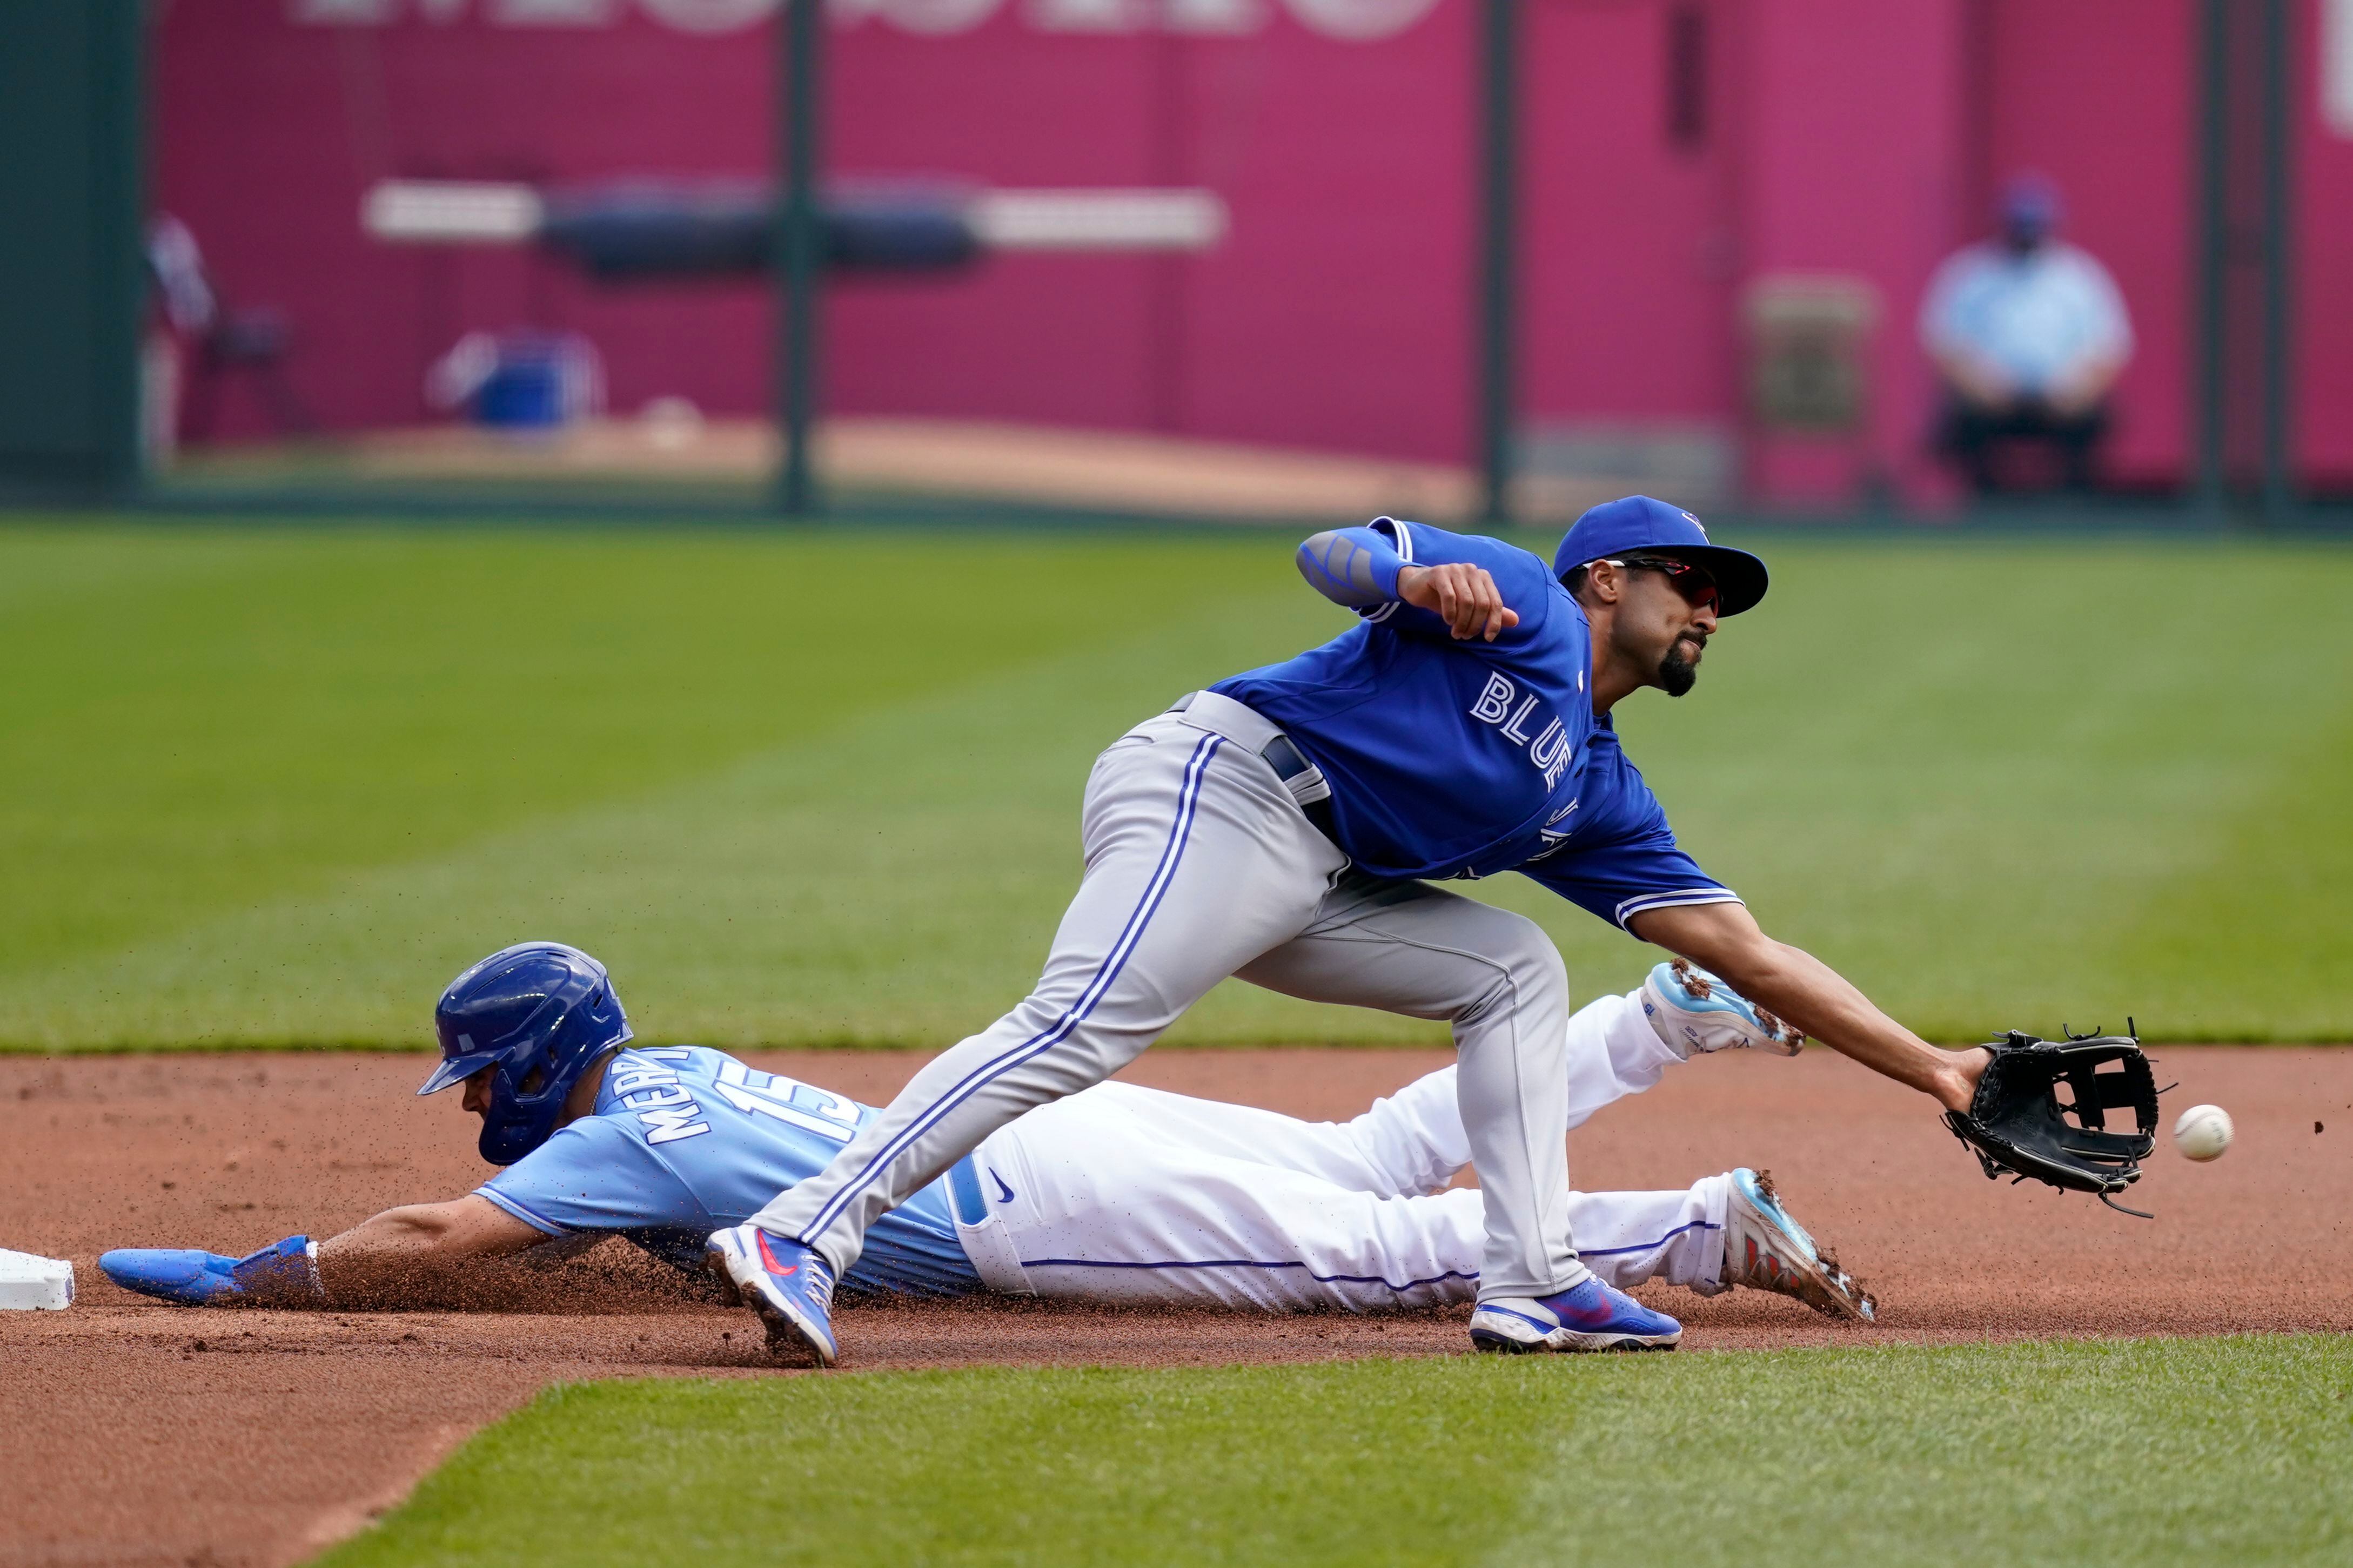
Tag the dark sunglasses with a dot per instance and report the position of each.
(1692, 581)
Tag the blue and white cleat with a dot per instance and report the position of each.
(1693, 1011)
(1764, 1249)
(1586, 1317)
(280, 1273)
(786, 1283)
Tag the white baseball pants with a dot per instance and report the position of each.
(1132, 1195)
(1200, 865)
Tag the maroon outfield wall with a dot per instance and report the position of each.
(1675, 151)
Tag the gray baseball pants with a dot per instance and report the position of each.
(1200, 864)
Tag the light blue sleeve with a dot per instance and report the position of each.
(596, 1175)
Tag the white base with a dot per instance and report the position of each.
(35, 1284)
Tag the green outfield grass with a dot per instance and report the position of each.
(2132, 1452)
(276, 786)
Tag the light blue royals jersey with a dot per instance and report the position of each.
(1463, 757)
(685, 1140)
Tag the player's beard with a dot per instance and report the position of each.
(1677, 674)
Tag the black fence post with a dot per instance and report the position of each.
(73, 269)
(799, 243)
(1497, 271)
(2206, 421)
(2279, 277)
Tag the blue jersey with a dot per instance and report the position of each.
(685, 1140)
(1463, 757)
(1619, 856)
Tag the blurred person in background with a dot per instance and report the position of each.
(2029, 335)
(185, 314)
(195, 340)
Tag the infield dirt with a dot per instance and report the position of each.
(134, 1433)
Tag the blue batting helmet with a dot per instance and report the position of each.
(539, 1014)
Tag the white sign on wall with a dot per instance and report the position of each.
(1353, 21)
(2337, 66)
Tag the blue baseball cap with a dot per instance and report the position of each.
(2032, 207)
(1641, 523)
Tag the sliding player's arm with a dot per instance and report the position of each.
(418, 1253)
(590, 1179)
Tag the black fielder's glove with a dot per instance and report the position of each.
(2018, 1126)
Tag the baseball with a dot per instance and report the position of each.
(2202, 1133)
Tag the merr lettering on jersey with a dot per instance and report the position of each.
(663, 1105)
(1501, 705)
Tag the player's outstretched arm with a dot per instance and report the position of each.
(419, 1253)
(423, 1255)
(1725, 939)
